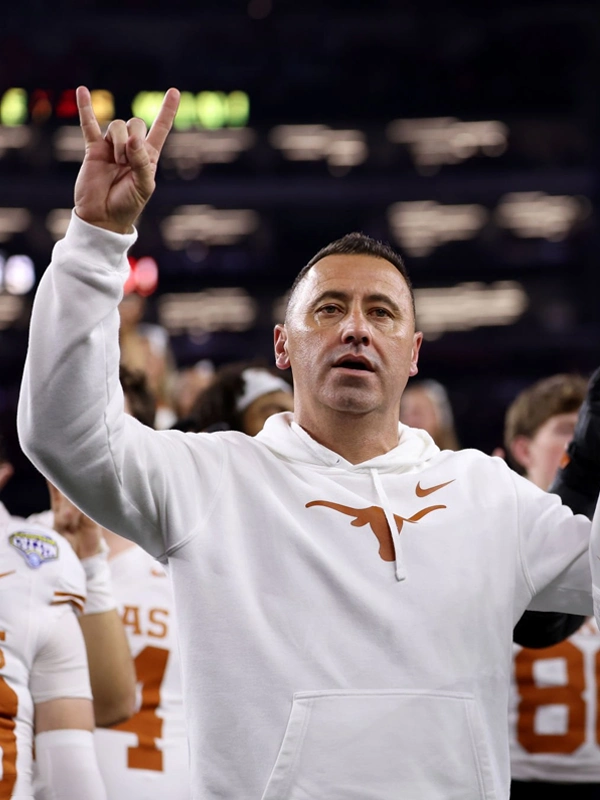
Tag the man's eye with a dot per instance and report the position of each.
(381, 312)
(328, 309)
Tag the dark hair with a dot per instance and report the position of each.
(141, 400)
(215, 407)
(558, 394)
(357, 244)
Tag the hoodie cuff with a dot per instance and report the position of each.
(89, 243)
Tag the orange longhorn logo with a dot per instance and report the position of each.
(375, 517)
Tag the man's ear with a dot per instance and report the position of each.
(414, 356)
(520, 450)
(282, 359)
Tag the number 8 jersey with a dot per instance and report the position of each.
(554, 717)
(147, 756)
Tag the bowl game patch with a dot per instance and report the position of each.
(35, 548)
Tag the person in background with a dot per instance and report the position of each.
(425, 404)
(539, 425)
(552, 721)
(187, 385)
(240, 397)
(110, 665)
(145, 348)
(45, 692)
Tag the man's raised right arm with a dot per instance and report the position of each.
(70, 417)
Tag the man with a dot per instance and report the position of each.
(552, 710)
(345, 592)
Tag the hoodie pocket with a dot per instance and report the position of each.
(382, 745)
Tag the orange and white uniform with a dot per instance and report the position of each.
(147, 756)
(42, 652)
(554, 717)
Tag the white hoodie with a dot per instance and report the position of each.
(324, 658)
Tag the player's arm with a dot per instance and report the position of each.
(112, 675)
(70, 419)
(112, 672)
(66, 765)
(111, 668)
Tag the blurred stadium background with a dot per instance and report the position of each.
(467, 134)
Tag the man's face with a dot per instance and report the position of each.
(546, 448)
(349, 337)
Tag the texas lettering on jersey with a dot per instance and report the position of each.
(374, 516)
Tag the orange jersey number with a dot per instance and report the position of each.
(9, 704)
(532, 697)
(150, 666)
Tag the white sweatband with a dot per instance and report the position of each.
(66, 766)
(98, 581)
(258, 382)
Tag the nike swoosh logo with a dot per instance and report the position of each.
(420, 492)
(4, 574)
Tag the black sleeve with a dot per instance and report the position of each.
(545, 628)
(578, 484)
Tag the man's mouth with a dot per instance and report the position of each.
(358, 364)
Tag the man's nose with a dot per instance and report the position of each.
(356, 328)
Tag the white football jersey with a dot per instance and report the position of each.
(41, 583)
(147, 756)
(554, 710)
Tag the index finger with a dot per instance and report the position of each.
(89, 123)
(161, 126)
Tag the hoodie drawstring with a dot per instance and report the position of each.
(389, 516)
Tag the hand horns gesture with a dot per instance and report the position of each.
(116, 179)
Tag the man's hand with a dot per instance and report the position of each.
(116, 179)
(84, 536)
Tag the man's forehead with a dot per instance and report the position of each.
(362, 274)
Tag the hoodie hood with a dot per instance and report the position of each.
(286, 439)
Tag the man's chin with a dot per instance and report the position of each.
(352, 402)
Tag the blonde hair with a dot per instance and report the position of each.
(558, 394)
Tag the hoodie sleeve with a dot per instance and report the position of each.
(71, 418)
(554, 551)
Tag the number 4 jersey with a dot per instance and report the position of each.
(554, 711)
(147, 756)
